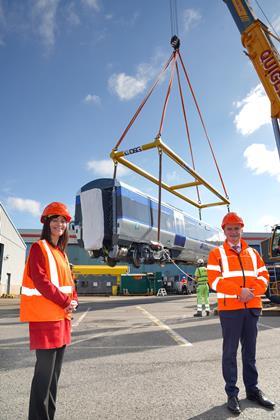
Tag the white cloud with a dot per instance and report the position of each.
(262, 161)
(172, 177)
(267, 221)
(92, 99)
(44, 14)
(254, 111)
(71, 15)
(127, 87)
(191, 17)
(93, 4)
(24, 205)
(105, 168)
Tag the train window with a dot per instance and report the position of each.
(179, 223)
(136, 211)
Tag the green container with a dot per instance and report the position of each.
(140, 283)
(155, 282)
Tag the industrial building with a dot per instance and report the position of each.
(104, 284)
(12, 255)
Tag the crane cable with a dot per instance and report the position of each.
(173, 18)
(268, 21)
(177, 266)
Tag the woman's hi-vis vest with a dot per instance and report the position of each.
(33, 306)
(229, 271)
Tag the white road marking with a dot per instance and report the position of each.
(267, 326)
(75, 324)
(181, 341)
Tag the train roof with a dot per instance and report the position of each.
(110, 183)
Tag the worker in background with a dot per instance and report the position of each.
(202, 289)
(239, 276)
(48, 298)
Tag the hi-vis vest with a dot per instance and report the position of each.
(34, 306)
(201, 274)
(229, 271)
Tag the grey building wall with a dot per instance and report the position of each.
(12, 255)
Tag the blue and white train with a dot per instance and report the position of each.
(119, 223)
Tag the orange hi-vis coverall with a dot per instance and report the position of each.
(229, 271)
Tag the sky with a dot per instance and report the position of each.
(73, 73)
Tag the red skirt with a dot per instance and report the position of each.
(50, 334)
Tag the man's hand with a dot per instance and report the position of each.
(246, 295)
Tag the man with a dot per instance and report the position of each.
(202, 289)
(238, 274)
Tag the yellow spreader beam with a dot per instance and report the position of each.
(120, 157)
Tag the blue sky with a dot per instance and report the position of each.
(73, 74)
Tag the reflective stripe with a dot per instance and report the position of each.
(52, 265)
(66, 289)
(261, 269)
(263, 279)
(224, 258)
(215, 282)
(30, 292)
(254, 259)
(27, 291)
(239, 274)
(213, 267)
(222, 296)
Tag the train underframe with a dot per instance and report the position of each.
(136, 254)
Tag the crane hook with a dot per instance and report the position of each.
(175, 42)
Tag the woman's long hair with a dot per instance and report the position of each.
(46, 234)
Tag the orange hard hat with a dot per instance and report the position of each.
(232, 219)
(55, 209)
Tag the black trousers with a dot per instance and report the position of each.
(44, 384)
(240, 325)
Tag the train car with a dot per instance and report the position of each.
(119, 223)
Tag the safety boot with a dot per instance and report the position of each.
(207, 313)
(199, 313)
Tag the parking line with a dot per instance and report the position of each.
(75, 324)
(181, 341)
(266, 326)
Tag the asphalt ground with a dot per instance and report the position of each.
(137, 358)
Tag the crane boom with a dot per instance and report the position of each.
(257, 40)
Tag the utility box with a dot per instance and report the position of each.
(140, 283)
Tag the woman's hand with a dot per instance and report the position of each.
(71, 307)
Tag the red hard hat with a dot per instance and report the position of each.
(232, 219)
(55, 209)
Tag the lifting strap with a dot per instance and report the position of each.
(174, 69)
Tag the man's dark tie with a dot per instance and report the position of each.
(236, 248)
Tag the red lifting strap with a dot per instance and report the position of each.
(143, 102)
(173, 58)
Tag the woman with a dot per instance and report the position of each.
(48, 297)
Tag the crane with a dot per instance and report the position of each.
(257, 39)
